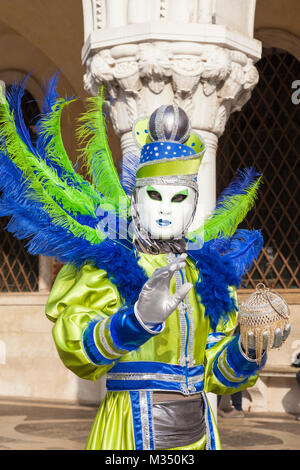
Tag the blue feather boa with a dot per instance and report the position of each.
(223, 263)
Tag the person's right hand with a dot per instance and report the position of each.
(155, 303)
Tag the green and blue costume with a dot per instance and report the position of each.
(91, 304)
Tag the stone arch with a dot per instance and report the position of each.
(273, 37)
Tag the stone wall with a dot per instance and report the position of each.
(29, 363)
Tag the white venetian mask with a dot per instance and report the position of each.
(166, 211)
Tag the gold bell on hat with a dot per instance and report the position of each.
(260, 315)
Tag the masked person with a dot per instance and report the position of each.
(154, 311)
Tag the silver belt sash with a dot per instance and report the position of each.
(178, 423)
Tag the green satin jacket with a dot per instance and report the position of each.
(95, 335)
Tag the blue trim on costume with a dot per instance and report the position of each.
(155, 367)
(137, 420)
(136, 417)
(150, 421)
(155, 382)
(218, 374)
(127, 332)
(242, 368)
(90, 347)
(113, 385)
(209, 425)
(239, 363)
(213, 339)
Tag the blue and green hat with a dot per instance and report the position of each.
(168, 145)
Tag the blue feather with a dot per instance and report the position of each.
(216, 273)
(129, 166)
(50, 93)
(50, 98)
(239, 184)
(242, 249)
(43, 140)
(222, 263)
(245, 247)
(14, 98)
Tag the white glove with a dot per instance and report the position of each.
(155, 303)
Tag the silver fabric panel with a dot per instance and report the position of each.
(178, 423)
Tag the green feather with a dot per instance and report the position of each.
(44, 185)
(224, 221)
(50, 127)
(97, 154)
(41, 178)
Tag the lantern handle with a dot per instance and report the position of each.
(263, 288)
(266, 290)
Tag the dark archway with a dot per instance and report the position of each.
(266, 134)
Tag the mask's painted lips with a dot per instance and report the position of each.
(163, 223)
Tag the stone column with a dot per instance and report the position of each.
(199, 54)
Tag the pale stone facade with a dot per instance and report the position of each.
(29, 364)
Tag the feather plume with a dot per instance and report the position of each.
(215, 275)
(14, 98)
(230, 213)
(222, 263)
(43, 179)
(244, 248)
(231, 209)
(239, 185)
(50, 138)
(30, 220)
(50, 146)
(31, 215)
(43, 184)
(97, 154)
(50, 94)
(129, 166)
(72, 206)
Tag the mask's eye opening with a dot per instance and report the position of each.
(155, 195)
(179, 197)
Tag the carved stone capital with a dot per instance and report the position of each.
(208, 81)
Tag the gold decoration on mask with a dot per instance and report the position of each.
(260, 315)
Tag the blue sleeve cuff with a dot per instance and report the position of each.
(232, 367)
(242, 364)
(90, 347)
(128, 332)
(105, 341)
